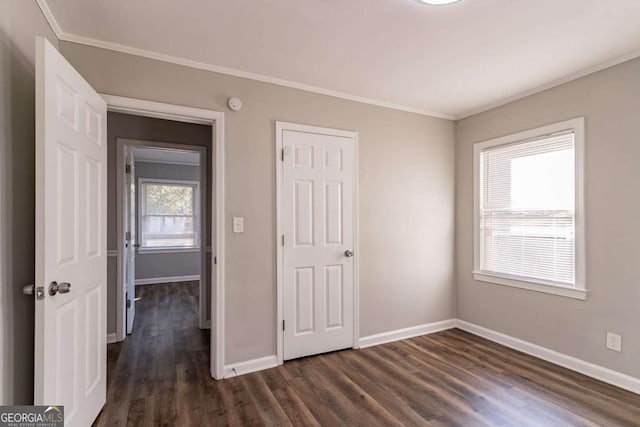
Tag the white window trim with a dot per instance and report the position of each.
(579, 290)
(169, 249)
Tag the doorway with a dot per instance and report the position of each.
(213, 254)
(163, 210)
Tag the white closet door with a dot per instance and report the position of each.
(318, 224)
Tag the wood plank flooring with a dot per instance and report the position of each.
(160, 377)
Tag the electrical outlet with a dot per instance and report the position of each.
(614, 342)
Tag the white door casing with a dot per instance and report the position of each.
(215, 119)
(132, 241)
(71, 157)
(318, 224)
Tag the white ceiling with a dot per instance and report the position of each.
(158, 155)
(448, 60)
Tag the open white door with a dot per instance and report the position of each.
(71, 171)
(130, 240)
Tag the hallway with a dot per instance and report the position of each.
(151, 375)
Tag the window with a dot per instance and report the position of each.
(529, 230)
(168, 214)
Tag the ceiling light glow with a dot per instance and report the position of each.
(437, 2)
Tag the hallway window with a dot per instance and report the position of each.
(168, 214)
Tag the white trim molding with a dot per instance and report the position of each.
(174, 279)
(606, 375)
(215, 119)
(51, 20)
(405, 333)
(168, 162)
(248, 366)
(112, 338)
(174, 250)
(531, 285)
(161, 110)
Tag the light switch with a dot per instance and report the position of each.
(238, 224)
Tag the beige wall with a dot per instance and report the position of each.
(610, 102)
(406, 193)
(20, 22)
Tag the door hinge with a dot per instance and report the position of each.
(282, 154)
(215, 260)
(127, 168)
(283, 240)
(127, 236)
(283, 324)
(128, 303)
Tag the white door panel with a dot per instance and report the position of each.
(70, 328)
(130, 238)
(318, 224)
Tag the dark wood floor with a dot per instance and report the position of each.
(160, 376)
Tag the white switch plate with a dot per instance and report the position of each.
(238, 224)
(614, 342)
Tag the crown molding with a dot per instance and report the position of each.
(88, 41)
(51, 20)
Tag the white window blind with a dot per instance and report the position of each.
(527, 209)
(168, 215)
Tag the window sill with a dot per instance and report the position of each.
(149, 251)
(563, 291)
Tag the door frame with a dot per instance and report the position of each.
(215, 119)
(121, 143)
(280, 127)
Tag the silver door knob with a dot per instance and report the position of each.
(55, 287)
(348, 253)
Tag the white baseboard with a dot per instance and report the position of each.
(401, 334)
(249, 366)
(111, 338)
(158, 280)
(606, 375)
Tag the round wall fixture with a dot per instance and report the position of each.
(235, 104)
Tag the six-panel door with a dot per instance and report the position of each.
(318, 225)
(71, 165)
